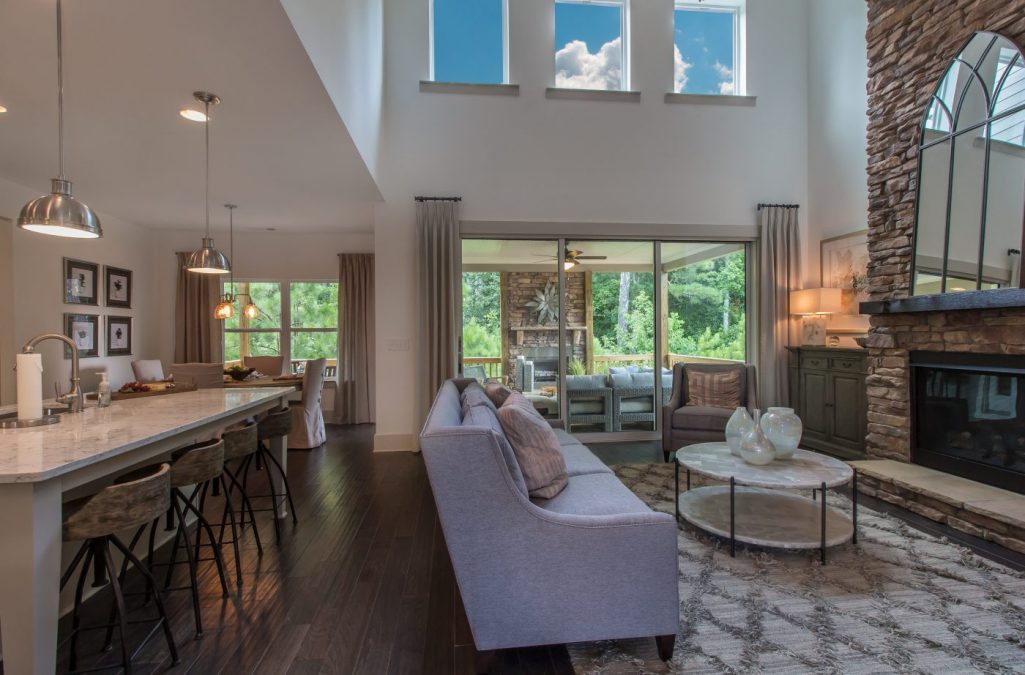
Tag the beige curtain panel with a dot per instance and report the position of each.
(196, 332)
(439, 276)
(779, 244)
(354, 400)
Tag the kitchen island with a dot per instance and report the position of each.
(39, 465)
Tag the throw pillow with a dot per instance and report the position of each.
(536, 447)
(714, 388)
(497, 392)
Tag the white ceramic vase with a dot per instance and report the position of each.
(736, 428)
(756, 448)
(784, 428)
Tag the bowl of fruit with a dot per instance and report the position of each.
(134, 388)
(238, 373)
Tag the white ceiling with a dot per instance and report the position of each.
(279, 148)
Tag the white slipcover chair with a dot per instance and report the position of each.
(148, 370)
(307, 417)
(267, 365)
(203, 375)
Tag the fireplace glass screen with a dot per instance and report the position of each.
(971, 422)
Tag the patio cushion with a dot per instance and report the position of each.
(703, 418)
(586, 407)
(594, 494)
(633, 380)
(637, 405)
(581, 461)
(536, 447)
(618, 370)
(481, 416)
(577, 382)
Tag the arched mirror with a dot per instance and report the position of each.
(970, 222)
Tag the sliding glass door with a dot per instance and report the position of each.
(590, 330)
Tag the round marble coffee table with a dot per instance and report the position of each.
(753, 507)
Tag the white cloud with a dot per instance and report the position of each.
(680, 68)
(725, 78)
(576, 68)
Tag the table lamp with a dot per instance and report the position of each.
(813, 305)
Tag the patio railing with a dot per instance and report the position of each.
(602, 362)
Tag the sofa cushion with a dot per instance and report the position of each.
(482, 416)
(497, 392)
(594, 494)
(704, 418)
(586, 407)
(536, 447)
(718, 389)
(633, 380)
(579, 382)
(473, 395)
(580, 460)
(565, 438)
(641, 404)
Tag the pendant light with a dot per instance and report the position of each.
(208, 260)
(226, 307)
(59, 213)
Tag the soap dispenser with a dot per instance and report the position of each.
(103, 392)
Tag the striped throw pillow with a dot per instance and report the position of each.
(714, 389)
(536, 447)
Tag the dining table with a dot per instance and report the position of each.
(40, 466)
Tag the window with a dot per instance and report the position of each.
(707, 48)
(298, 318)
(590, 44)
(468, 41)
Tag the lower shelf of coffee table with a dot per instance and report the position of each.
(764, 517)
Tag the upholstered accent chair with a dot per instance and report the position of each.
(267, 365)
(203, 375)
(684, 423)
(148, 370)
(589, 401)
(308, 417)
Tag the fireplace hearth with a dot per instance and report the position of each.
(968, 416)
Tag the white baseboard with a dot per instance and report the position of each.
(396, 443)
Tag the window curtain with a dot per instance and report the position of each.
(780, 271)
(439, 287)
(196, 332)
(354, 400)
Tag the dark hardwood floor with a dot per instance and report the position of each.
(363, 584)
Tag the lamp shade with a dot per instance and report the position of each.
(60, 214)
(816, 301)
(208, 260)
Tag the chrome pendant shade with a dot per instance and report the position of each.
(207, 259)
(59, 213)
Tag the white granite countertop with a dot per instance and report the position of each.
(805, 469)
(79, 439)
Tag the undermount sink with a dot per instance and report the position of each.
(51, 415)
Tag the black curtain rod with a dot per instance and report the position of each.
(781, 206)
(438, 199)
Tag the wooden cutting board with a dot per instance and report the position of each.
(122, 396)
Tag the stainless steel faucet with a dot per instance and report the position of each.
(74, 398)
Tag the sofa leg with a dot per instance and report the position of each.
(665, 644)
(484, 661)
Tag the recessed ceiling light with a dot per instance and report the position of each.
(2, 110)
(192, 115)
(272, 229)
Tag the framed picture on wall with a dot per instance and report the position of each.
(119, 336)
(84, 331)
(844, 261)
(81, 282)
(118, 287)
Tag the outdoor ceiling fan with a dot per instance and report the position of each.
(574, 258)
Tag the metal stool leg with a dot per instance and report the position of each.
(150, 582)
(119, 601)
(203, 525)
(76, 619)
(284, 481)
(192, 566)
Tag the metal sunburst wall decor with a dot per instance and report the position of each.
(546, 304)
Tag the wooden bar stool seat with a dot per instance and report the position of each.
(276, 424)
(133, 501)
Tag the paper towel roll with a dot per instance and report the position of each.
(30, 386)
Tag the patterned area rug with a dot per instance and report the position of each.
(900, 601)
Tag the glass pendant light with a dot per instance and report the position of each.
(226, 307)
(207, 260)
(59, 213)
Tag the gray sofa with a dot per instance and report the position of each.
(685, 424)
(592, 563)
(589, 401)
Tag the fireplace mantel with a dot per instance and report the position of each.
(1002, 298)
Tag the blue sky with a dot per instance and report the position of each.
(468, 46)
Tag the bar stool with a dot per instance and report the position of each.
(277, 423)
(135, 500)
(239, 444)
(200, 465)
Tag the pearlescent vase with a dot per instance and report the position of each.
(784, 428)
(736, 428)
(756, 448)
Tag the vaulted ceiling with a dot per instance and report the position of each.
(279, 148)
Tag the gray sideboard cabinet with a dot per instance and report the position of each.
(827, 390)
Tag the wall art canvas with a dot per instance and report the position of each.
(844, 261)
(119, 287)
(119, 336)
(80, 282)
(83, 329)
